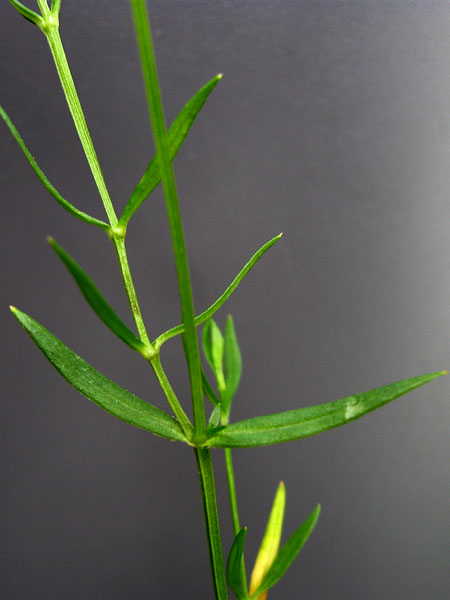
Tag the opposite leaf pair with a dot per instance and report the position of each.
(150, 179)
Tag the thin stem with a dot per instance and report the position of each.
(171, 397)
(143, 34)
(232, 491)
(208, 489)
(51, 30)
(119, 244)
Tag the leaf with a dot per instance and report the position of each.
(288, 553)
(233, 364)
(270, 543)
(98, 388)
(303, 422)
(207, 344)
(206, 314)
(217, 344)
(176, 135)
(46, 183)
(214, 419)
(26, 12)
(213, 345)
(209, 392)
(96, 301)
(234, 574)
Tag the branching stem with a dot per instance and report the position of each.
(51, 31)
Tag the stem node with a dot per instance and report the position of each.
(118, 232)
(149, 352)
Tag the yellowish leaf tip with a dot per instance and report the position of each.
(219, 75)
(49, 239)
(13, 309)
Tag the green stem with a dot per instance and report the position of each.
(232, 491)
(145, 44)
(51, 30)
(203, 456)
(119, 243)
(43, 7)
(208, 489)
(171, 397)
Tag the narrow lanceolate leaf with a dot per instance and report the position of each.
(288, 553)
(270, 543)
(96, 301)
(98, 388)
(29, 14)
(234, 573)
(303, 422)
(46, 183)
(232, 363)
(207, 344)
(209, 392)
(213, 345)
(176, 135)
(205, 315)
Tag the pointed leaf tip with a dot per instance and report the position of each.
(304, 422)
(177, 133)
(96, 387)
(206, 314)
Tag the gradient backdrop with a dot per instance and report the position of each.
(331, 124)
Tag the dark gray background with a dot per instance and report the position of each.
(332, 124)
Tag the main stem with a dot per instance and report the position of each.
(208, 489)
(190, 342)
(151, 81)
